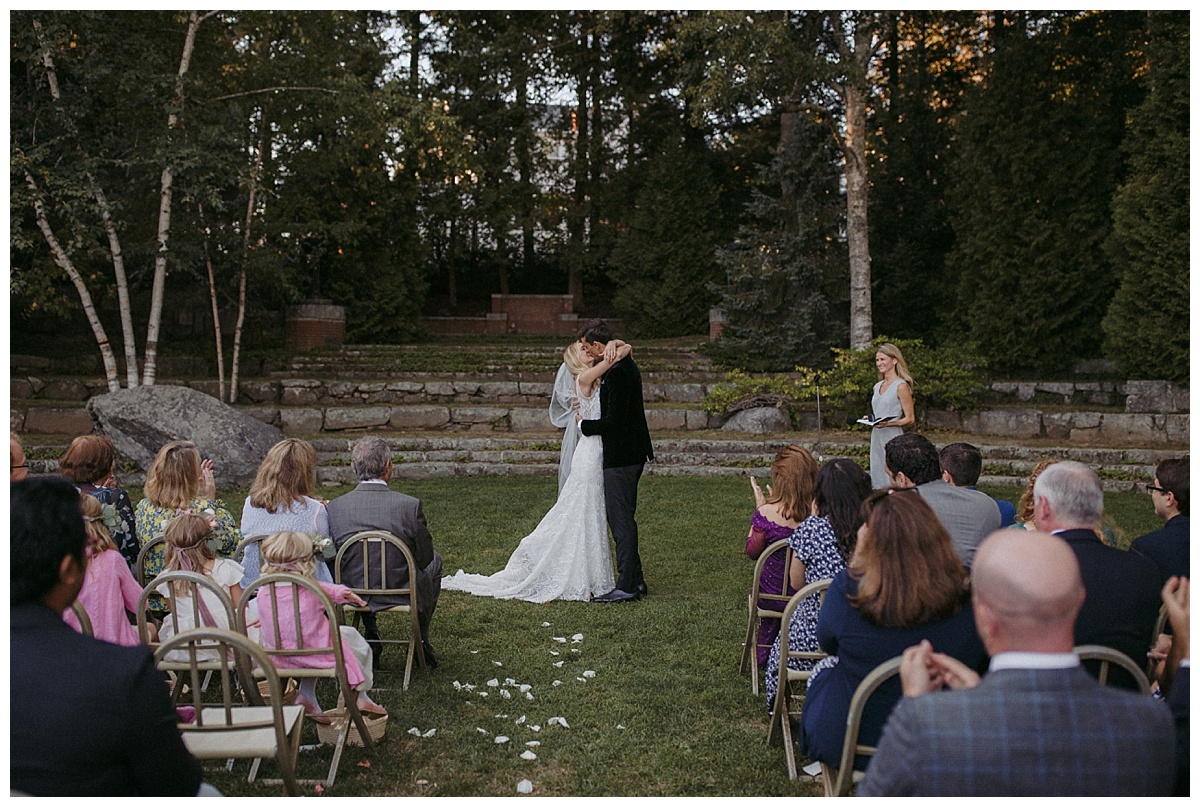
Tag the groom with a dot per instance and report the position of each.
(622, 427)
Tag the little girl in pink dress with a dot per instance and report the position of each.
(109, 592)
(293, 553)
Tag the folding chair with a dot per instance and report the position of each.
(782, 711)
(239, 554)
(85, 622)
(152, 546)
(192, 585)
(233, 730)
(764, 606)
(267, 588)
(373, 546)
(838, 781)
(1106, 656)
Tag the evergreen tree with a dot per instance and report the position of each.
(664, 262)
(1040, 160)
(1146, 328)
(788, 264)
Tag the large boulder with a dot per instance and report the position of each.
(142, 420)
(760, 420)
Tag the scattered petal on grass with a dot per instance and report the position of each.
(430, 733)
(556, 683)
(481, 731)
(575, 650)
(558, 664)
(520, 720)
(457, 686)
(494, 682)
(533, 743)
(497, 663)
(589, 673)
(319, 788)
(502, 717)
(414, 731)
(555, 653)
(562, 639)
(620, 726)
(528, 755)
(422, 781)
(577, 638)
(483, 694)
(524, 786)
(499, 739)
(474, 652)
(508, 682)
(528, 696)
(469, 687)
(525, 687)
(558, 720)
(581, 679)
(545, 624)
(504, 693)
(366, 763)
(534, 727)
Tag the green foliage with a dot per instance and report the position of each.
(1147, 326)
(943, 378)
(663, 263)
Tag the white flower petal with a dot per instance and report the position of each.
(475, 652)
(535, 728)
(556, 683)
(575, 650)
(499, 738)
(526, 687)
(558, 664)
(493, 682)
(481, 731)
(457, 685)
(581, 679)
(520, 720)
(504, 693)
(555, 653)
(620, 726)
(524, 786)
(528, 696)
(528, 755)
(498, 664)
(414, 731)
(533, 743)
(578, 637)
(430, 733)
(509, 682)
(483, 694)
(562, 639)
(589, 673)
(545, 624)
(502, 717)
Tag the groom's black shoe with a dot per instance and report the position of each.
(642, 590)
(617, 595)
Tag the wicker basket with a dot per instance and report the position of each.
(289, 691)
(328, 733)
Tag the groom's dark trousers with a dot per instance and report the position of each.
(620, 507)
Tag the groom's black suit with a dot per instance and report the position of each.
(622, 427)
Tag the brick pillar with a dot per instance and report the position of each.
(316, 323)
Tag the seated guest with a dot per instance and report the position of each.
(179, 480)
(1122, 601)
(788, 501)
(86, 718)
(374, 506)
(823, 545)
(1036, 725)
(904, 584)
(1176, 598)
(962, 465)
(281, 500)
(18, 466)
(91, 463)
(1024, 514)
(109, 594)
(1169, 547)
(967, 514)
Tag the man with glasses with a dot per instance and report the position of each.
(1169, 547)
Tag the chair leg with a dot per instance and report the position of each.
(779, 708)
(748, 645)
(829, 779)
(789, 744)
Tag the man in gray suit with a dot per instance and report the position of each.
(373, 506)
(967, 514)
(1036, 724)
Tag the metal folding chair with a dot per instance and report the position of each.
(764, 606)
(838, 781)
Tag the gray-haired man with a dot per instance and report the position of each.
(374, 506)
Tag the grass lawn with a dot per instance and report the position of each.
(666, 712)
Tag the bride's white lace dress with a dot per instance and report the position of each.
(566, 557)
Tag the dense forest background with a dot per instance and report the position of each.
(1015, 183)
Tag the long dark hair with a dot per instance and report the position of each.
(842, 487)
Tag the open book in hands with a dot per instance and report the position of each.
(871, 420)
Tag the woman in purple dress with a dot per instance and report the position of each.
(788, 501)
(823, 545)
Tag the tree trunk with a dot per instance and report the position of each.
(85, 298)
(856, 217)
(577, 216)
(255, 174)
(164, 208)
(525, 170)
(216, 311)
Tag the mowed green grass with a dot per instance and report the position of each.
(665, 714)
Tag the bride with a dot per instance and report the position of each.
(566, 557)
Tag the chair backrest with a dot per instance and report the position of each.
(238, 658)
(372, 547)
(239, 554)
(774, 603)
(818, 588)
(1107, 656)
(851, 747)
(154, 545)
(183, 596)
(279, 598)
(85, 622)
(1160, 625)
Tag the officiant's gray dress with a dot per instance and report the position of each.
(885, 404)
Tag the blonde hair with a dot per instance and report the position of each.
(99, 539)
(891, 351)
(185, 538)
(288, 553)
(174, 477)
(285, 476)
(1025, 503)
(575, 363)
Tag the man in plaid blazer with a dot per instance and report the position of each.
(1037, 724)
(374, 506)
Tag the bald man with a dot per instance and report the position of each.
(1036, 724)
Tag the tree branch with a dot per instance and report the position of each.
(266, 90)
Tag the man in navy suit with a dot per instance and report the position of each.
(1123, 588)
(1036, 724)
(1170, 547)
(622, 428)
(87, 718)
